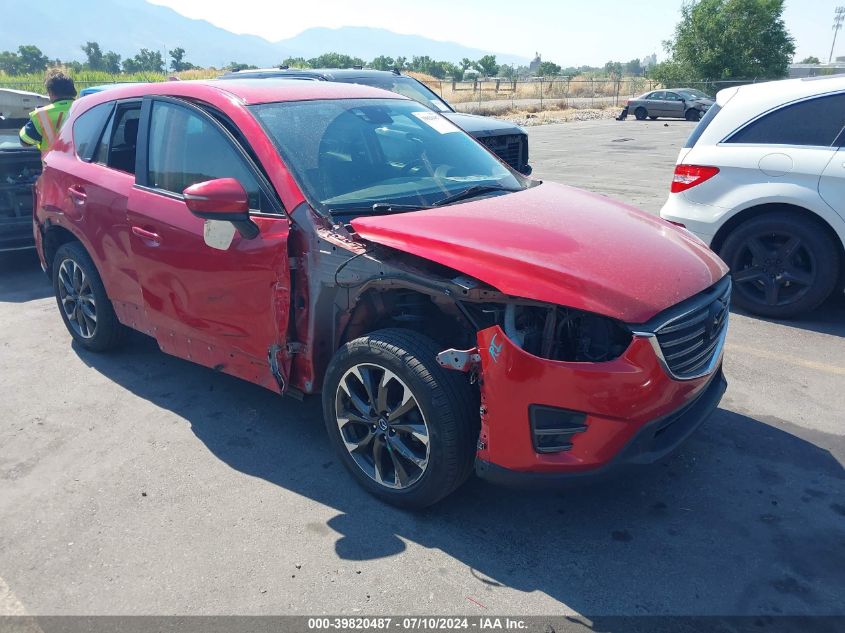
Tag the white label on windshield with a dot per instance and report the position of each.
(434, 120)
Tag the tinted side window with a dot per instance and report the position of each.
(88, 128)
(186, 149)
(702, 125)
(118, 146)
(815, 121)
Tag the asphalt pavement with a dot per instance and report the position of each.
(137, 483)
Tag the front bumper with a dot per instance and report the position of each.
(652, 442)
(632, 409)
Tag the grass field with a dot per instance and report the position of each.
(557, 91)
(34, 82)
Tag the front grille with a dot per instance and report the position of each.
(689, 342)
(510, 148)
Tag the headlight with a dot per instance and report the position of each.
(565, 334)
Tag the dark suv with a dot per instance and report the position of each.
(509, 142)
(19, 168)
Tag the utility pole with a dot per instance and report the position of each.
(838, 19)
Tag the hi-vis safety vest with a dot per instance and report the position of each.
(48, 121)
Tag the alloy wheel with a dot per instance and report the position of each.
(774, 268)
(77, 298)
(382, 425)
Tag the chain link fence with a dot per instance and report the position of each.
(578, 92)
(554, 92)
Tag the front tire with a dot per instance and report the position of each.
(83, 303)
(403, 426)
(782, 265)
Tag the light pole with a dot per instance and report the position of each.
(838, 19)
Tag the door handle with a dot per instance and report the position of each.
(149, 236)
(77, 195)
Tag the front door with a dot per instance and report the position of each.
(227, 309)
(673, 105)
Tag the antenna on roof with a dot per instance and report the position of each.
(283, 66)
(396, 71)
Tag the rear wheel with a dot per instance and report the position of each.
(640, 113)
(782, 265)
(83, 303)
(404, 427)
(692, 114)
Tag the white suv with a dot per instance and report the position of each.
(762, 181)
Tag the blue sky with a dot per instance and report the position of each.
(569, 32)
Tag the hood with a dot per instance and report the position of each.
(482, 125)
(559, 245)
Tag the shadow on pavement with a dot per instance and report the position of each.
(745, 519)
(829, 318)
(21, 278)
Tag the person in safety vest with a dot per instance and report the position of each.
(44, 123)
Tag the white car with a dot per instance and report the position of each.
(762, 181)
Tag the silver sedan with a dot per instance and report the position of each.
(679, 103)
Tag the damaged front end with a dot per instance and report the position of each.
(567, 392)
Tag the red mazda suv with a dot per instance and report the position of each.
(316, 237)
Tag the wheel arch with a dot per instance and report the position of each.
(54, 236)
(771, 207)
(407, 308)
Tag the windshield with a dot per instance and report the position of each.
(405, 86)
(350, 154)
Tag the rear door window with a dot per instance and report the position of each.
(705, 121)
(813, 122)
(119, 143)
(88, 128)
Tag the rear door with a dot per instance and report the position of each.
(226, 309)
(654, 104)
(95, 191)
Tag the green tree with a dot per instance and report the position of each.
(810, 60)
(669, 74)
(401, 62)
(634, 68)
(466, 64)
(31, 59)
(731, 39)
(335, 60)
(145, 61)
(177, 57)
(111, 62)
(383, 62)
(487, 66)
(613, 70)
(237, 66)
(10, 62)
(295, 62)
(548, 69)
(93, 54)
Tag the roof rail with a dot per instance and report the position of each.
(283, 67)
(358, 67)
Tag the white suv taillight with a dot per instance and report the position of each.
(687, 176)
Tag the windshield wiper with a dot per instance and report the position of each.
(470, 192)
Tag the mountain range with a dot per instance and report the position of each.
(59, 28)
